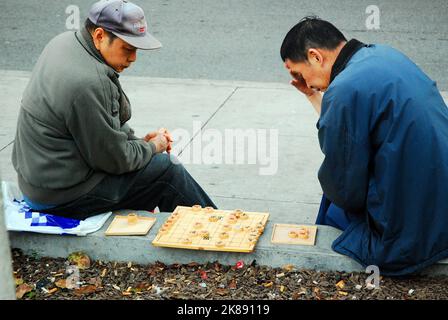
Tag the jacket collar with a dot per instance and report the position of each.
(344, 57)
(86, 41)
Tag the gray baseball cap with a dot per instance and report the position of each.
(125, 20)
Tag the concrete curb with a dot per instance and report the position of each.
(139, 249)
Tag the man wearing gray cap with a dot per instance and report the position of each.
(74, 153)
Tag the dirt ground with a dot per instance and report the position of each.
(45, 278)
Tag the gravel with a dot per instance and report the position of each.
(46, 278)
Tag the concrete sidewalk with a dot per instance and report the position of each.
(202, 109)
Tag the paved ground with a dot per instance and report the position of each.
(291, 192)
(232, 39)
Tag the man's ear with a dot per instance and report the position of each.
(98, 36)
(314, 56)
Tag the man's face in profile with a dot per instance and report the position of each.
(315, 72)
(117, 53)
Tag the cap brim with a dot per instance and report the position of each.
(148, 42)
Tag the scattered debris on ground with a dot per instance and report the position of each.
(79, 277)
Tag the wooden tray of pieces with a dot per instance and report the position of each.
(294, 234)
(130, 225)
(211, 229)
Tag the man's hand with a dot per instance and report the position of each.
(169, 137)
(299, 83)
(161, 138)
(314, 96)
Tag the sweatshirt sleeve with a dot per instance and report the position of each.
(129, 132)
(344, 140)
(103, 142)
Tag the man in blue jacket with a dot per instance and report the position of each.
(383, 129)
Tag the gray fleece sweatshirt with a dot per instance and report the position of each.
(71, 130)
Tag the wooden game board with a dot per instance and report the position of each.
(281, 234)
(129, 225)
(208, 229)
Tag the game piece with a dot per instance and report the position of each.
(217, 230)
(303, 233)
(197, 225)
(213, 218)
(187, 241)
(294, 234)
(132, 224)
(220, 244)
(132, 218)
(244, 216)
(223, 235)
(232, 219)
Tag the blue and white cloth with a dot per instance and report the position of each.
(20, 217)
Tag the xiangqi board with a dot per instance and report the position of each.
(294, 234)
(209, 229)
(131, 224)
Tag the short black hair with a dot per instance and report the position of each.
(90, 26)
(310, 32)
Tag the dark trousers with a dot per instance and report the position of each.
(331, 215)
(161, 183)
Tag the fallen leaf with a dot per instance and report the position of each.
(316, 292)
(340, 284)
(62, 283)
(204, 275)
(18, 281)
(97, 282)
(288, 267)
(239, 264)
(129, 264)
(51, 291)
(79, 258)
(193, 264)
(126, 293)
(282, 288)
(217, 267)
(232, 284)
(140, 287)
(22, 290)
(268, 284)
(85, 290)
(343, 293)
(103, 273)
(222, 291)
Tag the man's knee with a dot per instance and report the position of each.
(165, 164)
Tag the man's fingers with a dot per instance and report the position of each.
(168, 136)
